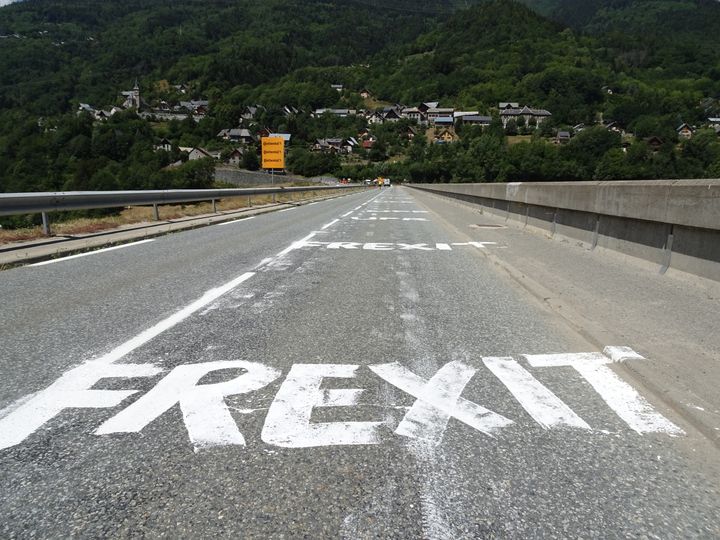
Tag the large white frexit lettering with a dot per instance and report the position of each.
(289, 420)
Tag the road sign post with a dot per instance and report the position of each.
(273, 156)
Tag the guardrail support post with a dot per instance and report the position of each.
(249, 200)
(214, 206)
(667, 252)
(596, 232)
(46, 224)
(156, 212)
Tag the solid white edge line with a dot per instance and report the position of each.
(103, 250)
(286, 210)
(236, 220)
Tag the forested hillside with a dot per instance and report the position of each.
(647, 65)
(86, 49)
(676, 35)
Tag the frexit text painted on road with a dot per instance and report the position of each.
(288, 423)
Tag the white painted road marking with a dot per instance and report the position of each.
(73, 389)
(541, 404)
(383, 218)
(622, 398)
(397, 211)
(333, 222)
(383, 246)
(237, 220)
(207, 418)
(95, 252)
(437, 400)
(288, 424)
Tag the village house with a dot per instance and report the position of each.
(655, 143)
(413, 113)
(284, 136)
(375, 118)
(250, 112)
(332, 146)
(97, 114)
(508, 105)
(196, 152)
(86, 108)
(445, 136)
(338, 87)
(235, 157)
(391, 115)
(460, 114)
(714, 123)
(163, 106)
(425, 107)
(476, 120)
(562, 137)
(365, 93)
(443, 122)
(241, 135)
(685, 131)
(437, 112)
(163, 144)
(198, 107)
(528, 114)
(613, 126)
(342, 113)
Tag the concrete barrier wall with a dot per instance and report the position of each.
(672, 223)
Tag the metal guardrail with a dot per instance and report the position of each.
(33, 203)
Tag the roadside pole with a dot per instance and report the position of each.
(273, 156)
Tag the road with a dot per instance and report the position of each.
(353, 368)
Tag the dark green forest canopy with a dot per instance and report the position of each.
(648, 64)
(85, 50)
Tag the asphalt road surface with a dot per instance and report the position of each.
(353, 368)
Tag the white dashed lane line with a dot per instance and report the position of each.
(333, 222)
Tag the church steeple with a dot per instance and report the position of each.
(136, 95)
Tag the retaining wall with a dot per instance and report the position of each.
(671, 223)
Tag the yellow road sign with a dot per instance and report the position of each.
(273, 153)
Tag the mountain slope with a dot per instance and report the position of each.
(54, 52)
(677, 38)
